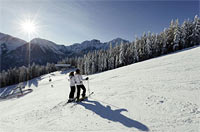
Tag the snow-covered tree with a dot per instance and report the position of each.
(196, 31)
(22, 74)
(164, 41)
(122, 54)
(177, 36)
(170, 37)
(187, 33)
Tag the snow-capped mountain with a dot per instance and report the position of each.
(39, 53)
(117, 41)
(16, 51)
(95, 45)
(157, 95)
(9, 43)
(46, 45)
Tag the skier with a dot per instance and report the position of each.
(79, 84)
(50, 81)
(72, 86)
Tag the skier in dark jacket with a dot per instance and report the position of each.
(72, 86)
(79, 84)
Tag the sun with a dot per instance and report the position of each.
(29, 26)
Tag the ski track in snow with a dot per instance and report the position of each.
(159, 95)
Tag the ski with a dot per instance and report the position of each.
(68, 102)
(82, 99)
(77, 102)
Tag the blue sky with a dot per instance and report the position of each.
(73, 21)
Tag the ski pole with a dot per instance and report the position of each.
(88, 86)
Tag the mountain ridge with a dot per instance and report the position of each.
(43, 50)
(9, 43)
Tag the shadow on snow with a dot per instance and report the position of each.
(16, 95)
(113, 115)
(7, 91)
(33, 81)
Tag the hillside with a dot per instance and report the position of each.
(158, 95)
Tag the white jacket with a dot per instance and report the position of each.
(79, 79)
(72, 81)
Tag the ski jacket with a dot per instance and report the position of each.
(79, 79)
(72, 80)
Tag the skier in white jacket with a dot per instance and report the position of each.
(79, 84)
(72, 86)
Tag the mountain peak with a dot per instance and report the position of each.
(9, 43)
(41, 41)
(119, 40)
(93, 41)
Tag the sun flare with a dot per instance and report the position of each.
(29, 27)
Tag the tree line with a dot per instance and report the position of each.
(149, 45)
(21, 74)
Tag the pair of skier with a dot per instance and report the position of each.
(76, 81)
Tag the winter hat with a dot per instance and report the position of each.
(77, 71)
(71, 74)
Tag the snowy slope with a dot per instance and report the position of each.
(159, 95)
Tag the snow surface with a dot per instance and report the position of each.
(158, 95)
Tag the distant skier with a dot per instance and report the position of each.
(72, 86)
(50, 81)
(79, 84)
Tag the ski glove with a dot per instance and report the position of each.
(87, 78)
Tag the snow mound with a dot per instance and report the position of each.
(160, 94)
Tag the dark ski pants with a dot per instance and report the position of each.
(79, 87)
(71, 95)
